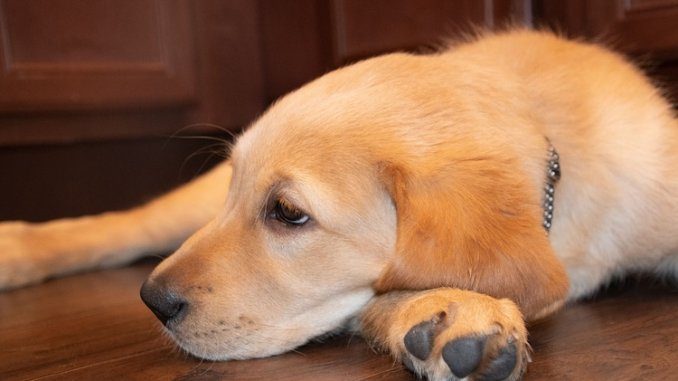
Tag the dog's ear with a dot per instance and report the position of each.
(473, 224)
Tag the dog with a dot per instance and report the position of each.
(433, 203)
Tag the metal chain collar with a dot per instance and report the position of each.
(552, 177)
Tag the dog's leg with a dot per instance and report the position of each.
(449, 334)
(30, 253)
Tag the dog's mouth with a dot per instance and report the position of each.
(246, 336)
(217, 345)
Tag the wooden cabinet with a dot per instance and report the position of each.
(92, 91)
(95, 54)
(84, 83)
(73, 70)
(305, 38)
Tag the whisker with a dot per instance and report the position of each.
(156, 255)
(202, 137)
(206, 160)
(298, 352)
(193, 125)
(175, 134)
(200, 151)
(212, 125)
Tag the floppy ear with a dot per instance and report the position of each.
(472, 223)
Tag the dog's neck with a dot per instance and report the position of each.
(552, 177)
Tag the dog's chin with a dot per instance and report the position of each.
(246, 344)
(225, 349)
(228, 348)
(248, 339)
(215, 352)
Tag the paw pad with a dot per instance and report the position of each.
(502, 365)
(484, 357)
(464, 355)
(419, 340)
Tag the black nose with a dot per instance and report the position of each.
(165, 304)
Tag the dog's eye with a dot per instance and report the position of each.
(288, 214)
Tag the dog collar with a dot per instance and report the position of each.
(552, 177)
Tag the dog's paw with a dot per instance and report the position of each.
(445, 337)
(20, 264)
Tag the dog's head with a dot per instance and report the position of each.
(389, 174)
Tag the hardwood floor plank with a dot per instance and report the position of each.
(94, 327)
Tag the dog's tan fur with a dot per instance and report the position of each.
(419, 173)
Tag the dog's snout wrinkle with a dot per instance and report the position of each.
(166, 305)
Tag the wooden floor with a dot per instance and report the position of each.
(94, 327)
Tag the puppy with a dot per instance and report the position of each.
(432, 203)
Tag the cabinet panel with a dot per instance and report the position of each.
(230, 82)
(89, 54)
(364, 28)
(81, 32)
(305, 38)
(641, 26)
(110, 69)
(296, 43)
(54, 181)
(641, 5)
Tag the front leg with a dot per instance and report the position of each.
(449, 334)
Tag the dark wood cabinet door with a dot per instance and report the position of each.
(363, 28)
(303, 39)
(83, 70)
(93, 54)
(105, 73)
(92, 93)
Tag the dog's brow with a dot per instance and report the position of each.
(276, 188)
(264, 202)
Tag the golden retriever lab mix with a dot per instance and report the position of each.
(431, 203)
